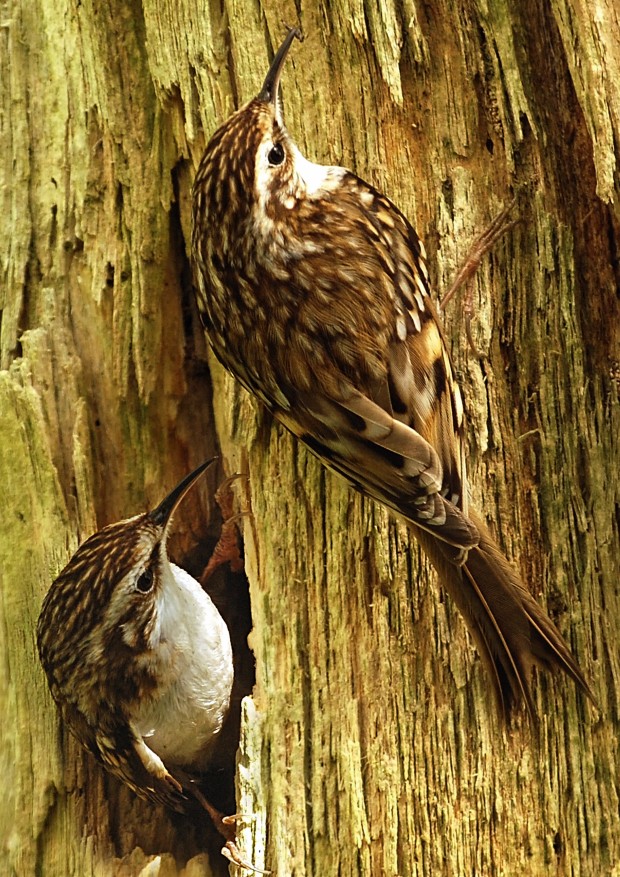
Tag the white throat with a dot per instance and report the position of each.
(192, 655)
(315, 178)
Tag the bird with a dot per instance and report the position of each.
(313, 290)
(139, 660)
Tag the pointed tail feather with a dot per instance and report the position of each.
(512, 632)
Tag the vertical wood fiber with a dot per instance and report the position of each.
(370, 745)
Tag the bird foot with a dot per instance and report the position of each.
(227, 548)
(466, 273)
(226, 827)
(231, 852)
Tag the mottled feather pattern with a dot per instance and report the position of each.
(106, 558)
(114, 632)
(136, 655)
(314, 293)
(332, 346)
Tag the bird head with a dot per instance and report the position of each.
(102, 605)
(252, 175)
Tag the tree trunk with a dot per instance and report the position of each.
(369, 745)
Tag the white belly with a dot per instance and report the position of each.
(194, 662)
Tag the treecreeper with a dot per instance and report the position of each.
(314, 293)
(139, 661)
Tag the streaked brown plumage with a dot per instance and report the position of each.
(314, 293)
(139, 661)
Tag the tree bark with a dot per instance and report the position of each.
(369, 744)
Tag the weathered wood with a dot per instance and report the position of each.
(370, 745)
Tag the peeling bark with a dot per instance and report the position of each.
(369, 745)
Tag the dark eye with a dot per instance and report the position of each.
(145, 582)
(276, 155)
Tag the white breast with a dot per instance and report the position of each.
(191, 654)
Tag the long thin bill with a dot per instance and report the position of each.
(269, 91)
(164, 511)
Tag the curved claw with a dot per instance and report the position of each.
(231, 852)
(224, 824)
(237, 817)
(176, 785)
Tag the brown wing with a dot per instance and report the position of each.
(367, 376)
(382, 457)
(116, 747)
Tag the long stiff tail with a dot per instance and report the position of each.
(512, 632)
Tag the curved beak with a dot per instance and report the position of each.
(269, 91)
(164, 511)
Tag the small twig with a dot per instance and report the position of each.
(466, 273)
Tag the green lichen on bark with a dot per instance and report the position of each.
(369, 745)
